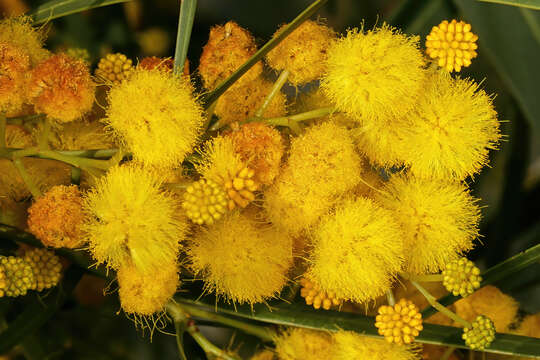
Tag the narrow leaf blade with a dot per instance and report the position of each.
(58, 8)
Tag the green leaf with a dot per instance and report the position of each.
(509, 42)
(530, 4)
(57, 8)
(39, 311)
(185, 25)
(495, 274)
(302, 316)
(304, 15)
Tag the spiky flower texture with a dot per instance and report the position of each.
(155, 116)
(350, 345)
(129, 219)
(357, 251)
(375, 73)
(242, 259)
(303, 344)
(438, 220)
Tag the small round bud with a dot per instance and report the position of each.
(19, 276)
(313, 295)
(453, 44)
(481, 333)
(45, 266)
(205, 202)
(114, 68)
(79, 54)
(461, 277)
(400, 323)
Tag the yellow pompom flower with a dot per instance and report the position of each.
(357, 251)
(491, 302)
(304, 344)
(19, 276)
(129, 219)
(155, 116)
(146, 293)
(400, 323)
(61, 87)
(263, 355)
(242, 100)
(303, 52)
(223, 165)
(228, 47)
(56, 217)
(461, 277)
(14, 66)
(454, 125)
(322, 166)
(313, 295)
(374, 74)
(350, 345)
(261, 147)
(242, 259)
(205, 202)
(438, 220)
(46, 268)
(453, 44)
(530, 326)
(114, 68)
(480, 334)
(19, 32)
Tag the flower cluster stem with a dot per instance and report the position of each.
(2, 130)
(390, 297)
(433, 302)
(34, 190)
(281, 80)
(43, 139)
(448, 352)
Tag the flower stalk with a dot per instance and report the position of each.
(281, 80)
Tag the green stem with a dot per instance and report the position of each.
(79, 162)
(446, 355)
(433, 302)
(180, 322)
(423, 278)
(287, 120)
(43, 139)
(2, 130)
(390, 297)
(34, 190)
(183, 35)
(281, 80)
(261, 332)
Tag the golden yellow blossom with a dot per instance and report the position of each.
(242, 100)
(438, 219)
(145, 293)
(530, 326)
(46, 268)
(62, 88)
(350, 345)
(14, 66)
(401, 323)
(303, 344)
(357, 251)
(263, 355)
(453, 128)
(56, 217)
(79, 54)
(241, 258)
(228, 47)
(461, 277)
(367, 83)
(322, 166)
(114, 68)
(19, 32)
(453, 44)
(155, 116)
(491, 302)
(313, 295)
(130, 220)
(261, 147)
(303, 52)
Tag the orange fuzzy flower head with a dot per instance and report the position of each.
(261, 147)
(153, 62)
(62, 88)
(228, 47)
(14, 63)
(56, 217)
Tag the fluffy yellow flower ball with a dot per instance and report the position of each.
(491, 302)
(242, 259)
(322, 166)
(374, 74)
(357, 251)
(454, 125)
(303, 344)
(530, 326)
(14, 66)
(350, 345)
(129, 219)
(438, 220)
(147, 293)
(303, 53)
(20, 32)
(155, 116)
